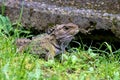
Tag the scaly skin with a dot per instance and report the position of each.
(51, 44)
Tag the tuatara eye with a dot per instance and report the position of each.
(66, 27)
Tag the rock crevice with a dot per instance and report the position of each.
(41, 15)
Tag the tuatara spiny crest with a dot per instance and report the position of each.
(50, 44)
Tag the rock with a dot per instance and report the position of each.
(97, 20)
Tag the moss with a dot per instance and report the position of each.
(50, 25)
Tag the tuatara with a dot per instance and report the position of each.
(50, 44)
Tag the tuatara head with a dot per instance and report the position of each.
(64, 33)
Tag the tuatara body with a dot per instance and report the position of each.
(50, 44)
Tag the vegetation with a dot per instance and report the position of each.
(76, 64)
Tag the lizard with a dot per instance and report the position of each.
(50, 44)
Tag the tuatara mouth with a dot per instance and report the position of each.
(67, 38)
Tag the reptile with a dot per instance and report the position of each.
(50, 44)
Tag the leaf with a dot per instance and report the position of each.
(5, 25)
(5, 71)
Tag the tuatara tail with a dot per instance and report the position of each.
(22, 43)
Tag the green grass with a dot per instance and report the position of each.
(78, 64)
